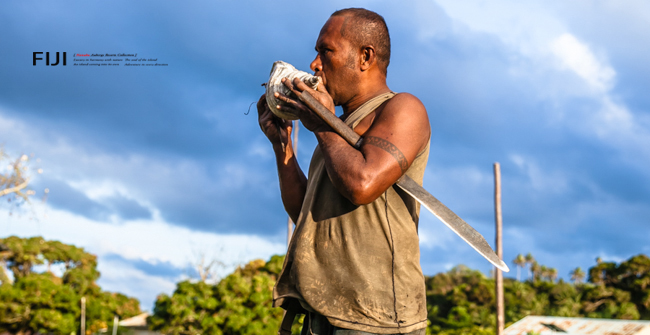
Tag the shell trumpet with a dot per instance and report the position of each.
(285, 70)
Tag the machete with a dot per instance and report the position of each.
(449, 218)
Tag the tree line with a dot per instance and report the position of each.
(462, 301)
(48, 302)
(459, 301)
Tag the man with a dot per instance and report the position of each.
(353, 261)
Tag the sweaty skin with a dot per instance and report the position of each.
(393, 134)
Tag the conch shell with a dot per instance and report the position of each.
(285, 70)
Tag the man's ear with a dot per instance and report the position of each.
(368, 57)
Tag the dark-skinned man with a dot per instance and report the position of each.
(353, 261)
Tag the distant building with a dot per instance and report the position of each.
(547, 325)
(138, 325)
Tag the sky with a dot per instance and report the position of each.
(153, 168)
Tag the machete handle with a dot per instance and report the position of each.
(339, 126)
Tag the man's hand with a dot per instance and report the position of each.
(309, 119)
(277, 130)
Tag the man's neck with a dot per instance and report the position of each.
(360, 98)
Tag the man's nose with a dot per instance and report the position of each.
(316, 65)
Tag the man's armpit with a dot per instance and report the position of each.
(390, 148)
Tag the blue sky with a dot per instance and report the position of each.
(149, 168)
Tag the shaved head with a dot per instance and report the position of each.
(366, 28)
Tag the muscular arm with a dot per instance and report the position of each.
(391, 143)
(293, 183)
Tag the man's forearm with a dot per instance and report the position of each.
(293, 183)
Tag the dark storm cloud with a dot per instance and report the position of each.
(68, 198)
(251, 207)
(127, 209)
(65, 197)
(159, 269)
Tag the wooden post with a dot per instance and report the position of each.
(115, 322)
(499, 274)
(295, 154)
(83, 316)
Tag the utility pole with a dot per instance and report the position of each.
(499, 274)
(83, 316)
(295, 153)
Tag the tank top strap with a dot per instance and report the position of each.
(367, 108)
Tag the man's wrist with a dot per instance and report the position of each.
(279, 147)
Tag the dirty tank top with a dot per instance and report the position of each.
(359, 266)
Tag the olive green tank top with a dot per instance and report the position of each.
(359, 266)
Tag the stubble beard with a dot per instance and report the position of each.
(348, 79)
(350, 62)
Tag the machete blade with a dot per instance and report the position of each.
(451, 220)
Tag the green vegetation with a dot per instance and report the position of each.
(460, 301)
(45, 303)
(238, 304)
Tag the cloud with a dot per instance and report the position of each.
(138, 252)
(164, 269)
(207, 195)
(577, 57)
(117, 276)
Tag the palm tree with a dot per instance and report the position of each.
(520, 262)
(530, 260)
(543, 272)
(577, 275)
(552, 274)
(536, 270)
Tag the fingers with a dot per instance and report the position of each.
(290, 85)
(263, 111)
(261, 104)
(300, 85)
(297, 107)
(285, 99)
(264, 114)
(296, 85)
(291, 105)
(265, 121)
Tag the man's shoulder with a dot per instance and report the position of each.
(405, 97)
(406, 103)
(404, 116)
